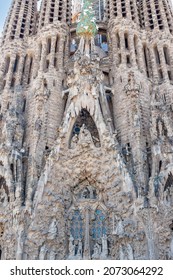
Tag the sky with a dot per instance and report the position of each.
(4, 8)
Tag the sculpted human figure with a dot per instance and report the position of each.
(160, 129)
(52, 255)
(73, 90)
(42, 253)
(86, 193)
(94, 90)
(3, 197)
(97, 251)
(85, 135)
(132, 86)
(71, 246)
(126, 252)
(52, 233)
(46, 93)
(79, 251)
(74, 141)
(38, 124)
(73, 46)
(19, 251)
(104, 246)
(119, 229)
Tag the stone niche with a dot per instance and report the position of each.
(4, 193)
(84, 123)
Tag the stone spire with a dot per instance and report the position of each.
(156, 15)
(52, 11)
(21, 21)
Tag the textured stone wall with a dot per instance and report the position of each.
(86, 151)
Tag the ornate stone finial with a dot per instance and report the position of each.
(76, 10)
(87, 27)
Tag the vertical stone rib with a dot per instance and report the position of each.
(52, 54)
(132, 51)
(153, 63)
(139, 51)
(122, 47)
(162, 60)
(20, 70)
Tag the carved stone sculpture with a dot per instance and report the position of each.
(43, 252)
(52, 233)
(20, 244)
(79, 251)
(74, 141)
(52, 255)
(104, 253)
(126, 252)
(3, 197)
(71, 247)
(97, 251)
(85, 138)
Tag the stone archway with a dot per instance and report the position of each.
(84, 119)
(87, 223)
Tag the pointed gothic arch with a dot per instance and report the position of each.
(160, 127)
(84, 118)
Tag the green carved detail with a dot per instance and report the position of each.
(86, 26)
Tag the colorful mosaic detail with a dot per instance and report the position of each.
(87, 21)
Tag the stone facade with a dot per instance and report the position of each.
(86, 143)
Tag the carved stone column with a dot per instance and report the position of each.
(139, 51)
(153, 62)
(163, 64)
(87, 254)
(52, 54)
(115, 49)
(132, 52)
(20, 70)
(43, 56)
(122, 47)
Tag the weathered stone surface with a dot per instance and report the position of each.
(86, 142)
